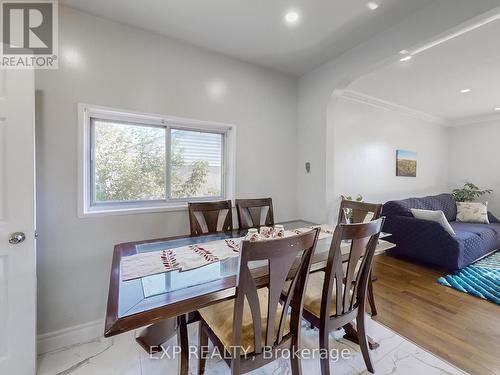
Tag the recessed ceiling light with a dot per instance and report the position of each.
(465, 91)
(292, 17)
(372, 6)
(406, 58)
(497, 109)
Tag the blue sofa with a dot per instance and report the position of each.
(427, 242)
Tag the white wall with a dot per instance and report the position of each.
(315, 132)
(110, 64)
(474, 156)
(366, 138)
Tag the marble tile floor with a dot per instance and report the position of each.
(121, 355)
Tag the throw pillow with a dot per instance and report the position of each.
(472, 212)
(437, 216)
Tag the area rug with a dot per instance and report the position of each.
(480, 279)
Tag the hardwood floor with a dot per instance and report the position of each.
(459, 328)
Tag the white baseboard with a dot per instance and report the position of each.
(51, 341)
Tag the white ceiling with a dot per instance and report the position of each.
(254, 31)
(432, 80)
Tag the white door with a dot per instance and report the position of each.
(17, 214)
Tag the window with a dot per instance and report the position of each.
(196, 161)
(135, 162)
(128, 162)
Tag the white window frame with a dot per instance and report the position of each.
(86, 112)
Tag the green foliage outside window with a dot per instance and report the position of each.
(130, 165)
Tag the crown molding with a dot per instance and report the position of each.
(389, 106)
(464, 28)
(476, 119)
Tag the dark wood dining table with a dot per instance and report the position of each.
(165, 303)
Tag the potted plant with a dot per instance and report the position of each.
(469, 192)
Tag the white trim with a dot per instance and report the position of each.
(83, 162)
(56, 340)
(86, 111)
(230, 160)
(389, 106)
(143, 209)
(393, 107)
(464, 28)
(154, 118)
(476, 120)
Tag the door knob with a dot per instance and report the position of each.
(16, 238)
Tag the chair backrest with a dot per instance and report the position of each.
(284, 263)
(205, 217)
(356, 212)
(350, 282)
(250, 212)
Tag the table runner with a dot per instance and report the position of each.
(192, 256)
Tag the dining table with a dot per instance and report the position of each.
(163, 304)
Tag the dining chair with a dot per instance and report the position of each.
(358, 212)
(251, 211)
(336, 297)
(255, 324)
(210, 217)
(352, 212)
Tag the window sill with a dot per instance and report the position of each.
(114, 211)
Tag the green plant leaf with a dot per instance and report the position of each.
(469, 192)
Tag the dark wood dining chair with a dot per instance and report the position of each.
(336, 297)
(255, 323)
(352, 212)
(250, 212)
(210, 214)
(355, 213)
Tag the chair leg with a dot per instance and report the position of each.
(235, 366)
(324, 346)
(202, 348)
(363, 341)
(295, 361)
(182, 340)
(371, 297)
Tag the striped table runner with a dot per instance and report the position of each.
(189, 257)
